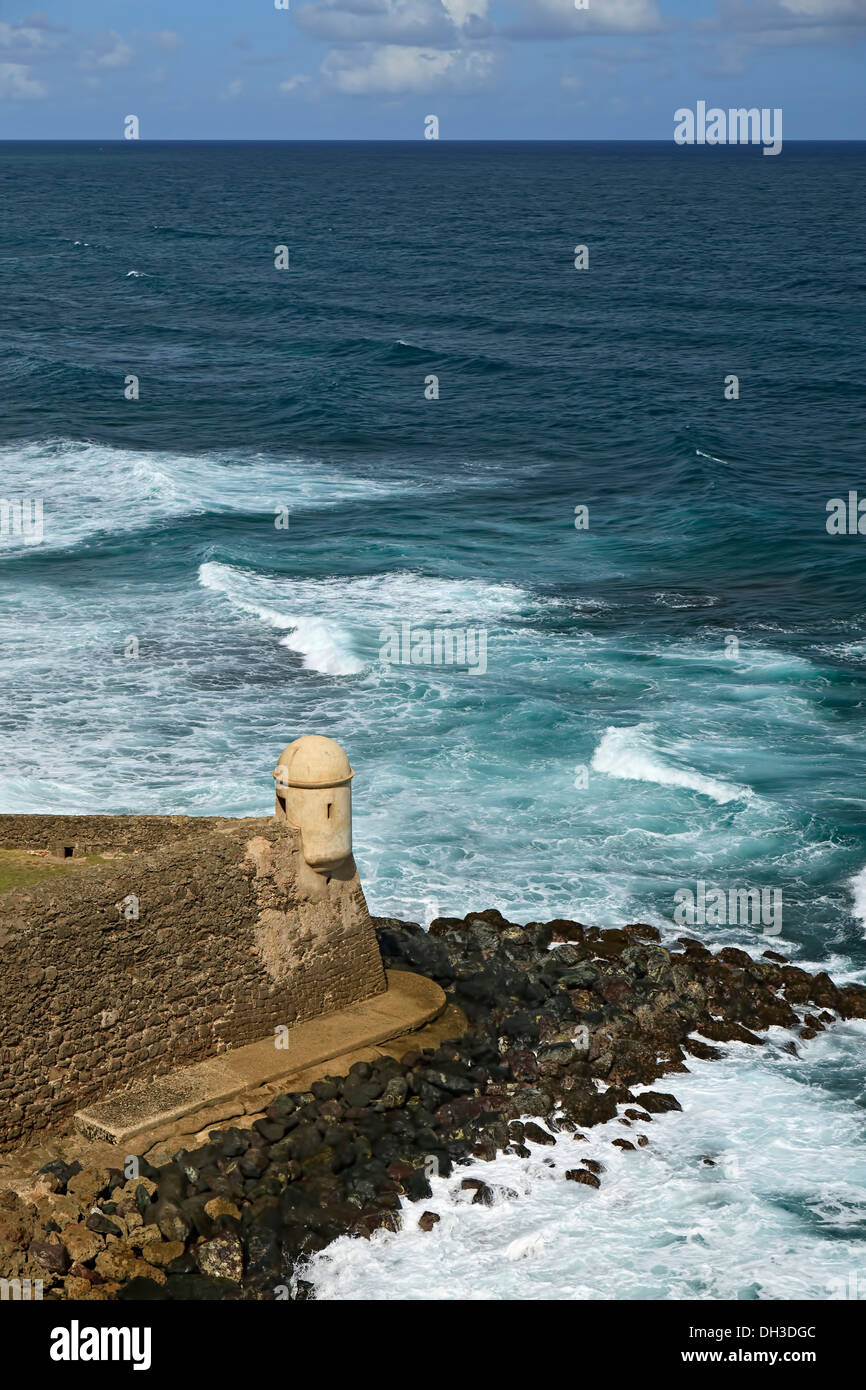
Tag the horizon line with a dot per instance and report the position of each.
(412, 140)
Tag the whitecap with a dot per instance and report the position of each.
(322, 646)
(628, 754)
(672, 600)
(96, 489)
(849, 651)
(337, 624)
(857, 884)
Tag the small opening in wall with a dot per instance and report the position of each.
(330, 804)
(68, 851)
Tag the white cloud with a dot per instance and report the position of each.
(233, 90)
(798, 11)
(167, 39)
(396, 69)
(109, 51)
(291, 84)
(780, 24)
(461, 11)
(27, 36)
(773, 15)
(388, 47)
(411, 22)
(16, 84)
(41, 21)
(544, 19)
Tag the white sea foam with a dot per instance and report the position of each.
(672, 600)
(629, 754)
(858, 889)
(334, 624)
(324, 646)
(786, 1175)
(849, 651)
(396, 593)
(96, 490)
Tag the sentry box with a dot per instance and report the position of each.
(314, 795)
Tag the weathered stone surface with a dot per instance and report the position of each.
(83, 1244)
(536, 1135)
(120, 1263)
(582, 1175)
(222, 1257)
(232, 940)
(49, 1256)
(88, 1184)
(161, 1252)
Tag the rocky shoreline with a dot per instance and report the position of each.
(564, 1022)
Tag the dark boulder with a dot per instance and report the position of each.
(581, 1175)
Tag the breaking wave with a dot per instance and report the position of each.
(96, 490)
(858, 889)
(629, 754)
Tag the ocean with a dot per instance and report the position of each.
(249, 477)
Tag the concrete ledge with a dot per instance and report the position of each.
(409, 1002)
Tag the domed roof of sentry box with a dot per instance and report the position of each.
(313, 761)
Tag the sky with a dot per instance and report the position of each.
(376, 69)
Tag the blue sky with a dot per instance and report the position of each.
(373, 69)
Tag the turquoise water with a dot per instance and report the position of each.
(674, 694)
(608, 649)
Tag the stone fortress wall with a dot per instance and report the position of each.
(191, 936)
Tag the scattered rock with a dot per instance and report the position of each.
(584, 1176)
(172, 1222)
(657, 1102)
(103, 1225)
(222, 1257)
(483, 1196)
(49, 1256)
(88, 1184)
(219, 1207)
(82, 1243)
(162, 1253)
(536, 1135)
(593, 1165)
(119, 1263)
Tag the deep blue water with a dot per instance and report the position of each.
(699, 651)
(304, 388)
